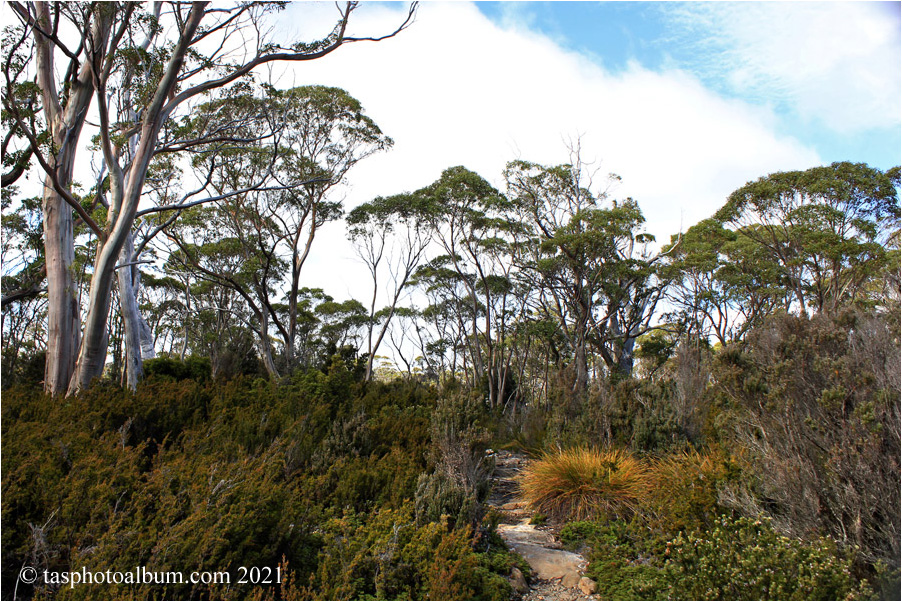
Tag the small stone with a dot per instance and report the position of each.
(587, 586)
(570, 579)
(518, 581)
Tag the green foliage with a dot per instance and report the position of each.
(317, 473)
(625, 558)
(191, 368)
(388, 555)
(456, 487)
(639, 414)
(825, 229)
(747, 559)
(737, 559)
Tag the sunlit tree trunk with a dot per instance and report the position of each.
(65, 124)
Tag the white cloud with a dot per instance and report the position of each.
(836, 62)
(457, 89)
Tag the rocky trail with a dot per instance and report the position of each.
(556, 573)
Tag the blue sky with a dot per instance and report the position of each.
(690, 36)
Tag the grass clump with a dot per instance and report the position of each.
(584, 483)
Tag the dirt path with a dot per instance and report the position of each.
(556, 573)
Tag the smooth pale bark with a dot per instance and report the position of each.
(137, 334)
(65, 125)
(62, 302)
(131, 318)
(297, 263)
(266, 346)
(125, 192)
(126, 187)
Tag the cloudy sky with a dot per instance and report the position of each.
(685, 101)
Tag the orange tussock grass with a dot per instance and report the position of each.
(583, 483)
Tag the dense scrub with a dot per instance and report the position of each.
(768, 468)
(738, 559)
(318, 474)
(781, 483)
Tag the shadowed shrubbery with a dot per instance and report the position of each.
(192, 367)
(812, 405)
(188, 476)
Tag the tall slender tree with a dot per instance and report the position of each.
(193, 51)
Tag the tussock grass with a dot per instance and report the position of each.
(584, 483)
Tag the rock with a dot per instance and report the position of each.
(587, 586)
(512, 506)
(570, 579)
(546, 563)
(518, 581)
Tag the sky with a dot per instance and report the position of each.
(686, 102)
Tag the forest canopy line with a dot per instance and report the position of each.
(179, 392)
(235, 179)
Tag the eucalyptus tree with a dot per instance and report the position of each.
(470, 222)
(24, 308)
(722, 283)
(166, 303)
(326, 134)
(274, 192)
(391, 233)
(591, 264)
(228, 246)
(141, 66)
(828, 229)
(444, 340)
(52, 135)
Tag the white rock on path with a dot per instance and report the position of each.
(547, 563)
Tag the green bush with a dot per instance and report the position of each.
(192, 367)
(640, 415)
(184, 475)
(738, 559)
(747, 559)
(625, 558)
(387, 555)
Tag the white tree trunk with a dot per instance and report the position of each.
(65, 126)
(131, 318)
(62, 302)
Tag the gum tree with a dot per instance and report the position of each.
(191, 49)
(827, 228)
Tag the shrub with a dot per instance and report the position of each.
(386, 555)
(684, 489)
(584, 483)
(184, 476)
(625, 558)
(458, 484)
(192, 367)
(738, 559)
(746, 559)
(640, 415)
(813, 406)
